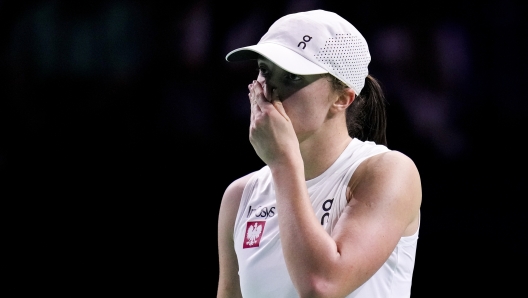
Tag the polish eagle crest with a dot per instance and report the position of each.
(253, 233)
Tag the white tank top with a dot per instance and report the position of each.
(262, 269)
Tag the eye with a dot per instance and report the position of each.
(263, 71)
(292, 77)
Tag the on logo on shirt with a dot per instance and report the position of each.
(327, 205)
(254, 230)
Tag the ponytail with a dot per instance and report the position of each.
(366, 116)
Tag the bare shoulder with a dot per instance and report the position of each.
(388, 164)
(233, 192)
(390, 179)
(231, 200)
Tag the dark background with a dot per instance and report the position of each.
(121, 124)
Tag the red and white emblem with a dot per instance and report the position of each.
(254, 231)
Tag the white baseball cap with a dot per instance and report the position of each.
(313, 42)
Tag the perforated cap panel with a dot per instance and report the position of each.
(346, 57)
(314, 42)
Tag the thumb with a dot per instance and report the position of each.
(278, 105)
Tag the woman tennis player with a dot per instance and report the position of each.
(334, 212)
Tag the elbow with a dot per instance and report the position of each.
(317, 287)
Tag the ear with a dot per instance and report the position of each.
(344, 100)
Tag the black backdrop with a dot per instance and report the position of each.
(122, 124)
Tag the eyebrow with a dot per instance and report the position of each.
(265, 61)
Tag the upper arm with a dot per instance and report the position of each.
(385, 198)
(228, 282)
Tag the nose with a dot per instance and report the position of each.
(269, 88)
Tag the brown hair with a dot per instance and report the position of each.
(366, 117)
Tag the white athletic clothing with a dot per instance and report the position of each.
(262, 269)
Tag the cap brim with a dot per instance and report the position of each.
(283, 57)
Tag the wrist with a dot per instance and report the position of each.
(287, 169)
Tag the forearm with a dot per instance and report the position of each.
(310, 253)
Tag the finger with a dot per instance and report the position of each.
(251, 105)
(254, 107)
(260, 97)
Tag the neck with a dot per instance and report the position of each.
(319, 154)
